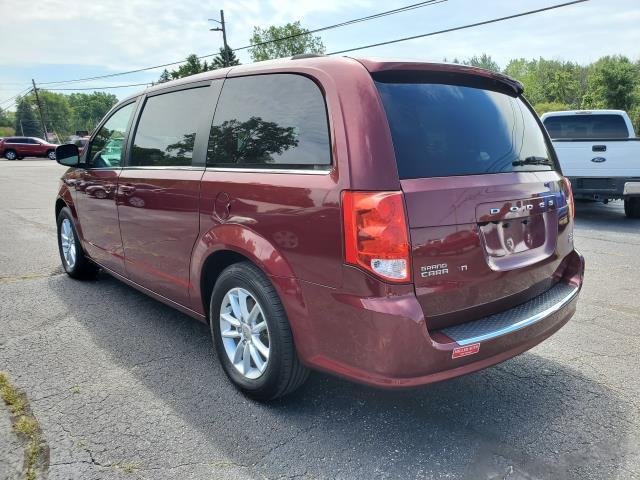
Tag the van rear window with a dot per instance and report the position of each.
(443, 130)
(586, 126)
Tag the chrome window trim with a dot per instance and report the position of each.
(300, 171)
(521, 323)
(158, 167)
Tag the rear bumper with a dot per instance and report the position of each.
(385, 342)
(601, 188)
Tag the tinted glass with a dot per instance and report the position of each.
(106, 148)
(442, 130)
(276, 121)
(15, 140)
(586, 126)
(167, 129)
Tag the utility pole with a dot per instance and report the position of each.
(21, 128)
(222, 29)
(44, 127)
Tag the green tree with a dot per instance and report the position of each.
(612, 82)
(226, 58)
(165, 76)
(544, 107)
(287, 40)
(7, 118)
(483, 61)
(191, 66)
(26, 122)
(88, 109)
(57, 112)
(549, 80)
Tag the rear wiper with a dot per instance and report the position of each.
(532, 161)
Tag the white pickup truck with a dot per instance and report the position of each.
(600, 153)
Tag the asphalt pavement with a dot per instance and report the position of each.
(125, 387)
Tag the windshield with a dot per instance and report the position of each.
(442, 130)
(586, 126)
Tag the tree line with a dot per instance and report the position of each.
(610, 82)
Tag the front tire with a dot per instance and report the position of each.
(51, 154)
(252, 334)
(632, 207)
(73, 258)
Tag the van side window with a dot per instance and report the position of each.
(106, 147)
(167, 128)
(270, 121)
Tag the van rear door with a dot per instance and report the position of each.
(485, 201)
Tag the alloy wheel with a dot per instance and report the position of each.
(68, 243)
(245, 333)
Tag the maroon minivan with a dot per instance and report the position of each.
(393, 223)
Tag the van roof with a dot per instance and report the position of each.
(328, 64)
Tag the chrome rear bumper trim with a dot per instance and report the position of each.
(519, 317)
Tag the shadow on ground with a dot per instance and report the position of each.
(530, 417)
(609, 217)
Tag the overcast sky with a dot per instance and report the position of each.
(53, 40)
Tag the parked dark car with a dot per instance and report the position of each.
(13, 148)
(392, 223)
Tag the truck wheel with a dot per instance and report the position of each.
(74, 261)
(10, 155)
(632, 207)
(252, 334)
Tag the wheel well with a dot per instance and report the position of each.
(59, 206)
(211, 270)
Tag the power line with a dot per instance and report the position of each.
(477, 24)
(337, 25)
(23, 92)
(348, 22)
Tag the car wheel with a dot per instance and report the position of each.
(74, 260)
(252, 334)
(632, 207)
(10, 155)
(51, 154)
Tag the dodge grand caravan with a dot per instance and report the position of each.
(393, 223)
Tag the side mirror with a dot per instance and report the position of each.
(68, 155)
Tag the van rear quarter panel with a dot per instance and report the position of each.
(299, 215)
(290, 224)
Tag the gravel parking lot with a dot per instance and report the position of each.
(125, 387)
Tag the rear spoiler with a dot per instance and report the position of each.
(446, 73)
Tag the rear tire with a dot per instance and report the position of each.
(632, 207)
(238, 332)
(10, 155)
(73, 258)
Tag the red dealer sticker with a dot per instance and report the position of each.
(466, 350)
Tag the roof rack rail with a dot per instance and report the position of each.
(307, 55)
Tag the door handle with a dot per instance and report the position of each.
(599, 148)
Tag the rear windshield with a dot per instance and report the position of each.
(443, 130)
(586, 126)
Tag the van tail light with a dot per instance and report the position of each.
(375, 234)
(568, 192)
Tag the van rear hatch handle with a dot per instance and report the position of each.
(599, 148)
